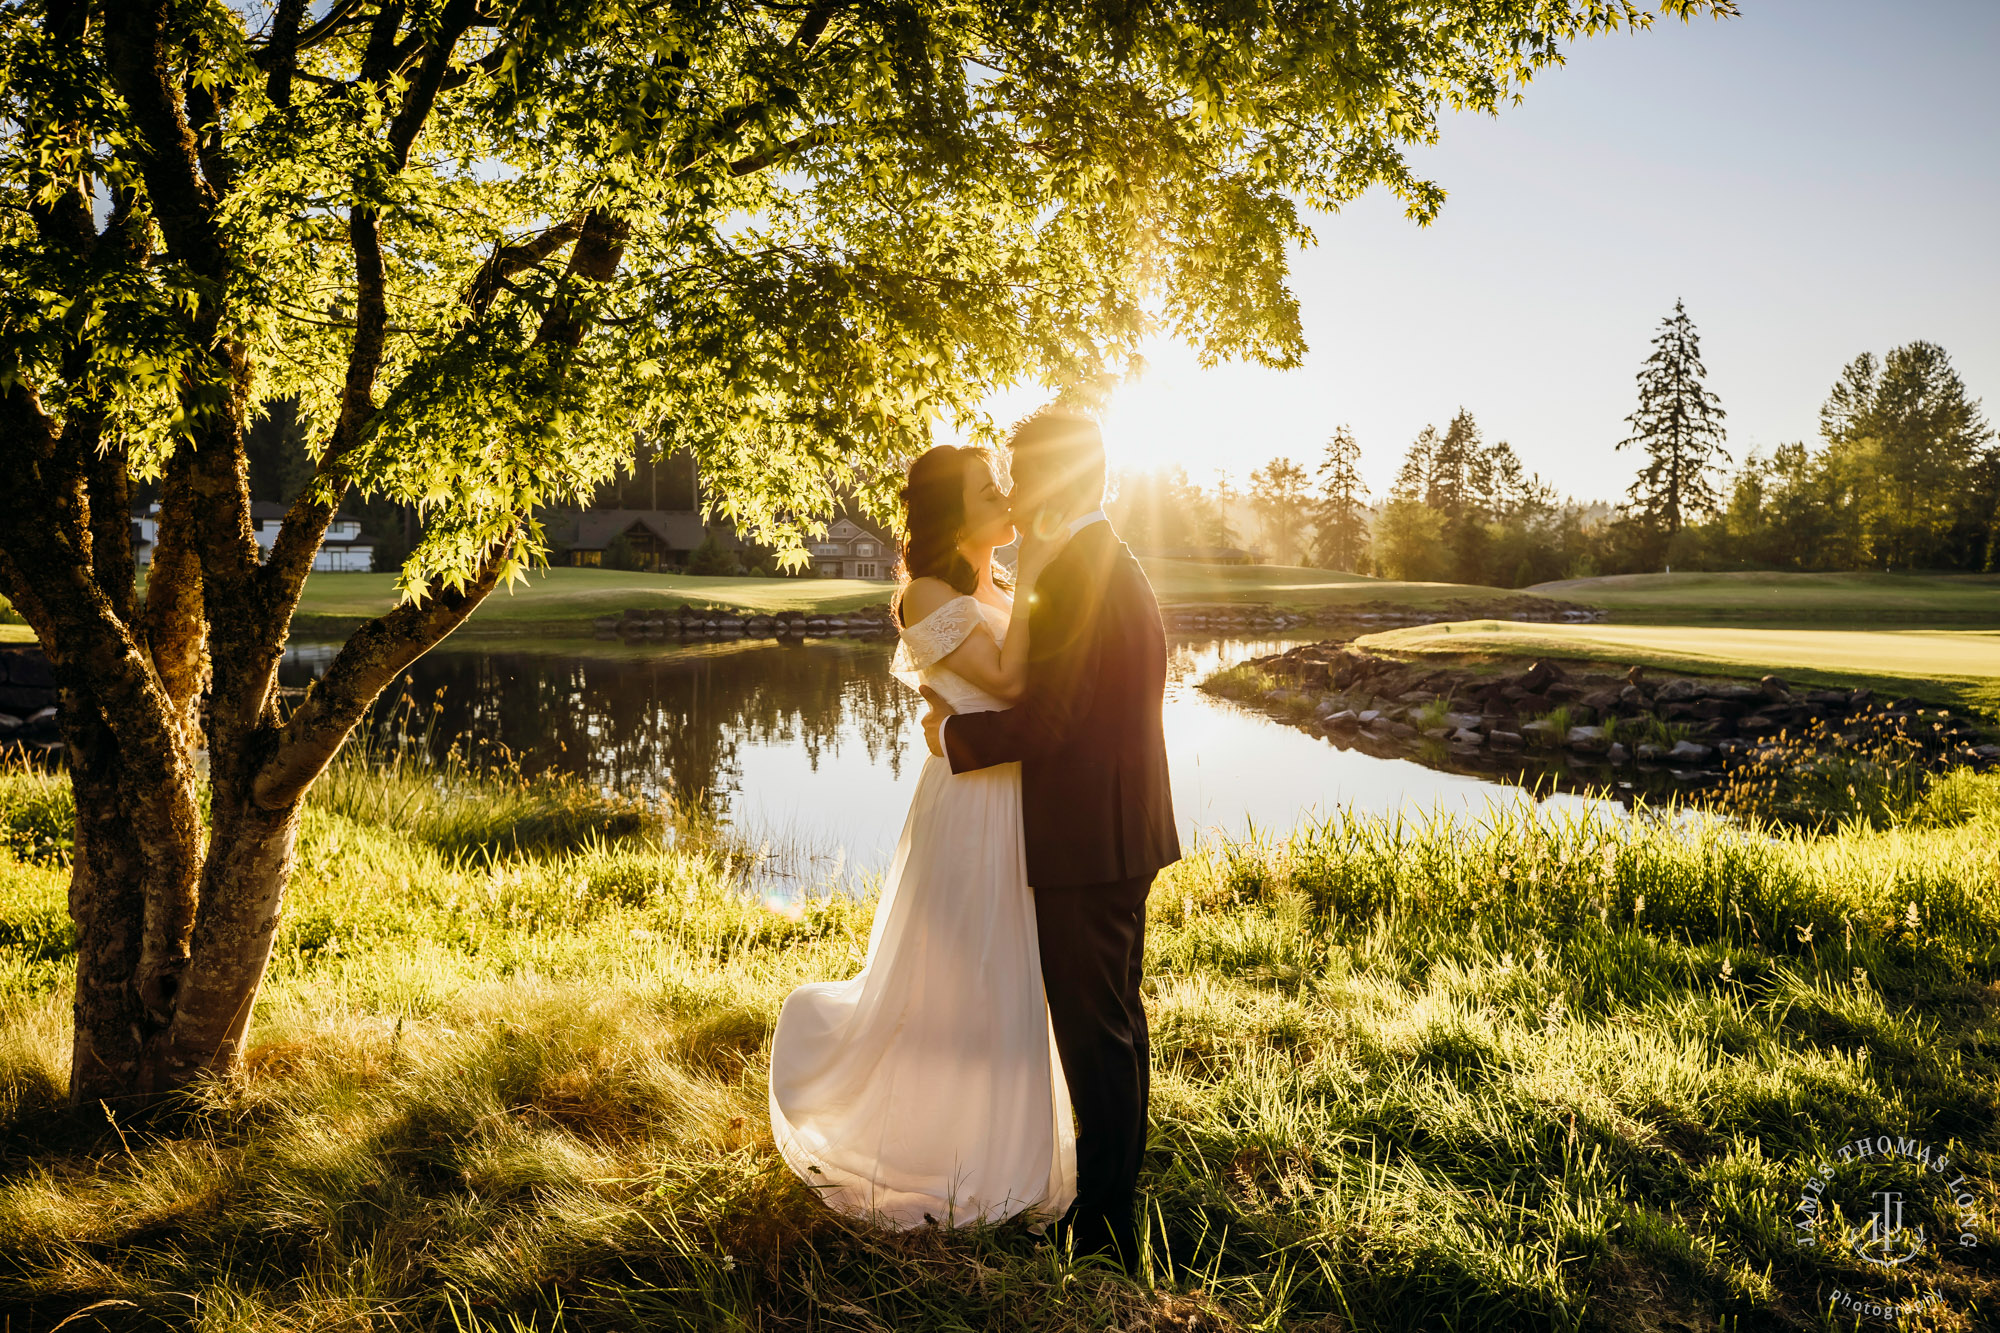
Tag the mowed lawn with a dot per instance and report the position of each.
(1179, 581)
(1855, 597)
(567, 596)
(573, 596)
(1959, 665)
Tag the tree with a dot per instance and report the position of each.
(1679, 425)
(484, 242)
(1281, 497)
(1409, 541)
(1340, 515)
(1214, 523)
(1907, 429)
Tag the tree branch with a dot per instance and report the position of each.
(373, 656)
(507, 260)
(422, 95)
(280, 59)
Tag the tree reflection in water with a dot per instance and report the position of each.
(664, 719)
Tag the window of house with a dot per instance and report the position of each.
(865, 571)
(864, 548)
(586, 557)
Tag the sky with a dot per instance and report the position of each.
(1815, 179)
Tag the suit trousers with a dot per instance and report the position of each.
(1093, 942)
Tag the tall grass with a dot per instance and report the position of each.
(395, 774)
(1525, 1072)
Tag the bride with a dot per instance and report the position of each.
(927, 1088)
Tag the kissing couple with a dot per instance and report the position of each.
(990, 1060)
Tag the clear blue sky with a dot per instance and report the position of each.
(1816, 179)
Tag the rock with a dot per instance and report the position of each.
(1618, 754)
(1564, 692)
(1539, 676)
(1368, 715)
(1401, 730)
(1540, 729)
(9, 723)
(24, 698)
(1776, 688)
(1467, 736)
(1436, 733)
(1678, 692)
(1633, 697)
(1504, 740)
(1689, 752)
(1462, 721)
(1756, 725)
(1328, 706)
(1990, 753)
(1602, 701)
(1633, 675)
(1344, 720)
(1587, 739)
(1712, 709)
(1414, 697)
(1650, 753)
(1827, 698)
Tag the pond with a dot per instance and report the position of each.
(813, 746)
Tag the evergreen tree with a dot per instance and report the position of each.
(1282, 499)
(1340, 520)
(1679, 425)
(1905, 428)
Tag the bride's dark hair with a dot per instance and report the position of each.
(934, 520)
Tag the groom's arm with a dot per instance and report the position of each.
(1062, 683)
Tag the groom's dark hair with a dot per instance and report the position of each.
(1068, 445)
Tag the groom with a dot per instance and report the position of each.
(1096, 809)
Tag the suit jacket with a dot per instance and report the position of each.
(1088, 735)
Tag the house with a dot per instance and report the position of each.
(850, 550)
(343, 550)
(652, 539)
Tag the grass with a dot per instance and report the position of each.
(1176, 581)
(1860, 597)
(571, 598)
(1513, 1074)
(574, 597)
(1957, 666)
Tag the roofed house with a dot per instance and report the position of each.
(850, 550)
(653, 539)
(343, 550)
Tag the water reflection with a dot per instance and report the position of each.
(813, 744)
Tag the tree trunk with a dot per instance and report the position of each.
(243, 890)
(132, 896)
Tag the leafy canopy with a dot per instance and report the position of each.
(830, 224)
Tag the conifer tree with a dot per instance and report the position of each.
(1679, 425)
(1340, 522)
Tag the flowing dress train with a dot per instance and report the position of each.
(927, 1087)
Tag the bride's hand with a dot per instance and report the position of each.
(1036, 553)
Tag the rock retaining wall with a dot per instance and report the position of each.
(685, 622)
(27, 701)
(1226, 617)
(1692, 724)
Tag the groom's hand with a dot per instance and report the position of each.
(934, 719)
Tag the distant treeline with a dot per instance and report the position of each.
(1905, 475)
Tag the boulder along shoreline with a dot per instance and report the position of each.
(1576, 715)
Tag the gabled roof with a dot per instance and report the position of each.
(676, 529)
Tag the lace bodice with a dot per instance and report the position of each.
(922, 648)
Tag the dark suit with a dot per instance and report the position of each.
(1098, 817)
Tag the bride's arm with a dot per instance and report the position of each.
(978, 660)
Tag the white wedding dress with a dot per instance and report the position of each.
(927, 1088)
